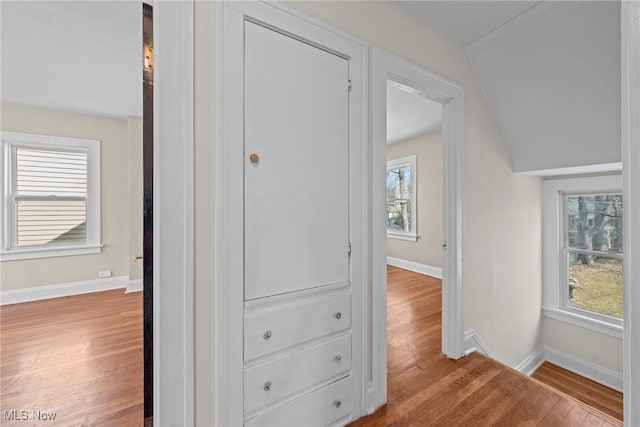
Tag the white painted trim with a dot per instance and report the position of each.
(38, 293)
(584, 368)
(451, 95)
(532, 362)
(575, 170)
(44, 252)
(173, 211)
(553, 295)
(229, 194)
(473, 343)
(415, 267)
(134, 286)
(406, 237)
(583, 321)
(630, 38)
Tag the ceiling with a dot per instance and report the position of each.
(466, 21)
(72, 55)
(550, 72)
(410, 114)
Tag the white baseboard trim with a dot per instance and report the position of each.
(37, 293)
(532, 362)
(473, 343)
(134, 286)
(594, 372)
(415, 267)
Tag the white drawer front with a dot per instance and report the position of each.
(321, 407)
(277, 330)
(290, 374)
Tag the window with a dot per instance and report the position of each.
(401, 198)
(51, 203)
(593, 253)
(583, 253)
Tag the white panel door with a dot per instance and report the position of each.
(296, 190)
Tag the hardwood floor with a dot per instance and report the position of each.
(427, 389)
(79, 357)
(603, 398)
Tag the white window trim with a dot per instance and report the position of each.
(400, 163)
(553, 294)
(92, 147)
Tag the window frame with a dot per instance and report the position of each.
(408, 161)
(555, 273)
(9, 141)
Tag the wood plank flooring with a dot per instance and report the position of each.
(427, 389)
(593, 394)
(79, 357)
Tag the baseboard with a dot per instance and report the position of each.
(415, 267)
(473, 343)
(134, 286)
(38, 293)
(594, 372)
(532, 362)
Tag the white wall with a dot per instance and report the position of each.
(502, 211)
(114, 134)
(428, 248)
(591, 346)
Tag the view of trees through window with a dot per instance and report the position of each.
(399, 199)
(593, 247)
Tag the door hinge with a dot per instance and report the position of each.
(349, 85)
(349, 249)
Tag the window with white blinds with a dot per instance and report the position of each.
(52, 198)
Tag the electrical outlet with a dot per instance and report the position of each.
(104, 274)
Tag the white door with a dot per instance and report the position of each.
(296, 165)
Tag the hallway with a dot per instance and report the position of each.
(427, 389)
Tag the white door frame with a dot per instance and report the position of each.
(173, 212)
(229, 192)
(631, 191)
(451, 96)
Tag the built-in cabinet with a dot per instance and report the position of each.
(297, 324)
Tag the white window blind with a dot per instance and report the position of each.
(50, 197)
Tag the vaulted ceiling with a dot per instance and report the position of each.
(550, 72)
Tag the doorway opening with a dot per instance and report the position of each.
(408, 78)
(414, 233)
(71, 284)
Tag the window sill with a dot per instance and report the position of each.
(399, 236)
(586, 322)
(18, 254)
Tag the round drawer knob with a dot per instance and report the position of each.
(267, 335)
(338, 359)
(338, 315)
(337, 403)
(254, 158)
(267, 386)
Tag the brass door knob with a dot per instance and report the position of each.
(254, 158)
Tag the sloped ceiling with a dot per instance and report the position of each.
(550, 73)
(73, 55)
(466, 21)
